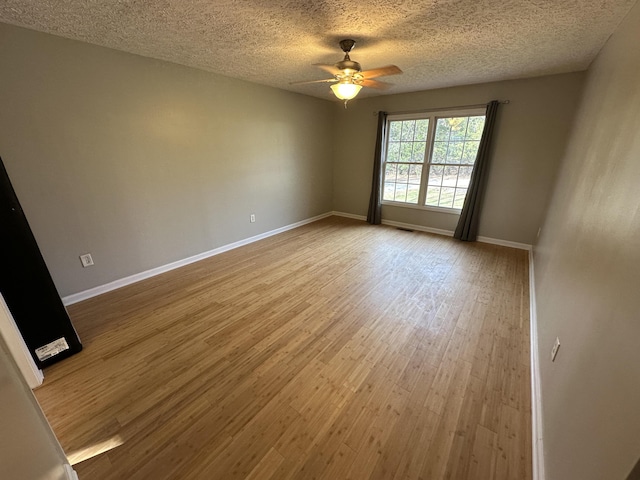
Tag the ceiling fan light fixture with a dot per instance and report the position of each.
(345, 90)
(348, 76)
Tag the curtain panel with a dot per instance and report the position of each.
(467, 228)
(374, 215)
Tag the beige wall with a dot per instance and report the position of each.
(587, 267)
(530, 139)
(142, 162)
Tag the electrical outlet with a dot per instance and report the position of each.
(252, 218)
(86, 260)
(554, 350)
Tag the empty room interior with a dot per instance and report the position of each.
(318, 240)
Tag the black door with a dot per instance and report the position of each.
(27, 287)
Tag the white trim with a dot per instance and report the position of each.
(536, 396)
(392, 223)
(123, 282)
(440, 113)
(437, 231)
(69, 472)
(350, 215)
(505, 243)
(18, 349)
(415, 206)
(428, 161)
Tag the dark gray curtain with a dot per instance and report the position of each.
(467, 229)
(635, 473)
(374, 216)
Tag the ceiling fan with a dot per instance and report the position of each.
(348, 77)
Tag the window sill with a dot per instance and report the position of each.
(450, 211)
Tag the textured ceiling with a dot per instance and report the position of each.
(437, 43)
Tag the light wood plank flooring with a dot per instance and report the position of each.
(335, 351)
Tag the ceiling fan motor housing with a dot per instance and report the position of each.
(348, 66)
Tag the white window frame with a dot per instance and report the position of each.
(433, 116)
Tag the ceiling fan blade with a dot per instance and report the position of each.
(326, 80)
(375, 84)
(327, 68)
(381, 72)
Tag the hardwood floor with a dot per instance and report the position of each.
(336, 351)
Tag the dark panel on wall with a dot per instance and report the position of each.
(27, 286)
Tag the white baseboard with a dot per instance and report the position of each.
(92, 292)
(505, 243)
(70, 473)
(536, 397)
(438, 231)
(420, 228)
(397, 224)
(350, 215)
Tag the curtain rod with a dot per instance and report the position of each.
(408, 112)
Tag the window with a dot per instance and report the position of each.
(429, 158)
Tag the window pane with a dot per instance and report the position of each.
(470, 152)
(389, 189)
(390, 172)
(454, 154)
(464, 176)
(450, 176)
(415, 172)
(442, 130)
(401, 192)
(393, 152)
(403, 173)
(435, 175)
(408, 127)
(458, 127)
(418, 151)
(406, 152)
(433, 196)
(446, 197)
(475, 127)
(439, 152)
(412, 193)
(422, 127)
(394, 131)
(458, 201)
